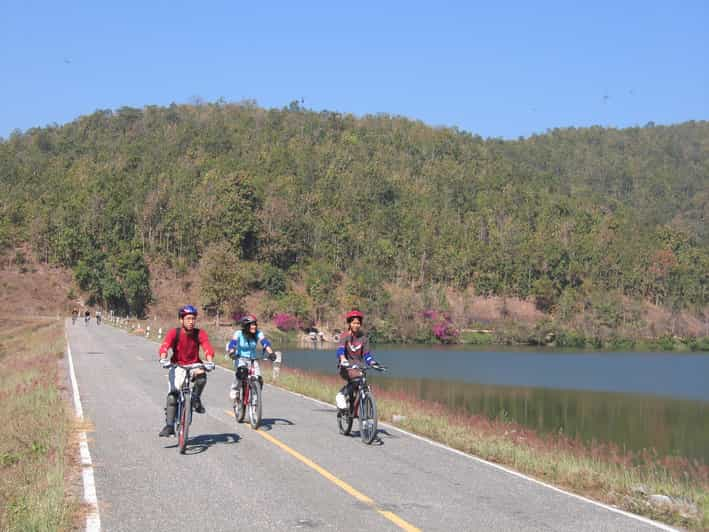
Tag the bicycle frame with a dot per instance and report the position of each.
(362, 390)
(361, 395)
(185, 390)
(183, 417)
(248, 400)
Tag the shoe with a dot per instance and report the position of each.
(234, 394)
(341, 401)
(167, 430)
(197, 405)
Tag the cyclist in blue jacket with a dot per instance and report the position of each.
(243, 345)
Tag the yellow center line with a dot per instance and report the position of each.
(391, 516)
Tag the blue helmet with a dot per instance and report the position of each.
(187, 309)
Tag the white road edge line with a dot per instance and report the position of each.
(640, 518)
(93, 520)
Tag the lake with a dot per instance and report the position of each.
(632, 399)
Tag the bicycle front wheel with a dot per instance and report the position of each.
(254, 404)
(239, 406)
(344, 422)
(183, 431)
(368, 419)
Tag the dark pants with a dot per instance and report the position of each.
(200, 381)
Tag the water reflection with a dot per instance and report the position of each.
(635, 400)
(633, 422)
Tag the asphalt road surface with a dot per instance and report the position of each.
(295, 473)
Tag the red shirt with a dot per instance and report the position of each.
(187, 349)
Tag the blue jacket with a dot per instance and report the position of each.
(246, 347)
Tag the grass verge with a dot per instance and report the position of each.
(37, 428)
(668, 489)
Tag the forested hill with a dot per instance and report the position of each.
(352, 208)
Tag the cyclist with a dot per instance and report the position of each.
(98, 317)
(87, 317)
(74, 315)
(185, 342)
(353, 349)
(243, 345)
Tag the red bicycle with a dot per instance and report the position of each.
(248, 394)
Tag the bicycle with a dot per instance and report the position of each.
(248, 392)
(362, 406)
(183, 417)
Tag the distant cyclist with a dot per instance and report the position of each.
(243, 345)
(87, 317)
(98, 317)
(184, 342)
(74, 315)
(352, 350)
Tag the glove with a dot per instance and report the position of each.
(209, 366)
(376, 365)
(344, 364)
(272, 357)
(165, 362)
(231, 354)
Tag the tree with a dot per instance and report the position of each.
(222, 280)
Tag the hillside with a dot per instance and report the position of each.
(324, 211)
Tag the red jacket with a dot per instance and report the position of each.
(187, 349)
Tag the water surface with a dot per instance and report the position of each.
(631, 399)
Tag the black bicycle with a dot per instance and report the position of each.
(361, 406)
(183, 418)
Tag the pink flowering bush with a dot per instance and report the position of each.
(442, 326)
(285, 322)
(446, 332)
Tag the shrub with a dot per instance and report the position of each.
(446, 332)
(285, 322)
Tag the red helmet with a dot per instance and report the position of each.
(352, 314)
(247, 320)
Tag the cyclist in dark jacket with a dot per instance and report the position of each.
(352, 350)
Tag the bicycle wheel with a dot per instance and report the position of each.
(239, 407)
(254, 404)
(344, 421)
(368, 419)
(185, 415)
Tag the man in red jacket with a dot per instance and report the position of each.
(184, 342)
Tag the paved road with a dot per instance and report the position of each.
(296, 472)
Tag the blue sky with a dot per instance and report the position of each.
(505, 70)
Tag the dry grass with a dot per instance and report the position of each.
(37, 427)
(601, 472)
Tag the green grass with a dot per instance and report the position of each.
(37, 428)
(600, 472)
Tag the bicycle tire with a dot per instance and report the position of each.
(255, 404)
(344, 421)
(239, 406)
(184, 430)
(368, 419)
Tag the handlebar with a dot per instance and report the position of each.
(366, 367)
(234, 355)
(196, 365)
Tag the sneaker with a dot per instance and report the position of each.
(197, 405)
(233, 394)
(341, 401)
(167, 430)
